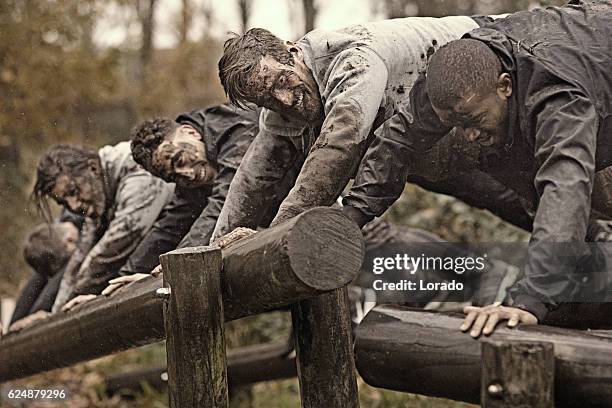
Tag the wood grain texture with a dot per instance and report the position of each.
(245, 365)
(317, 251)
(195, 335)
(325, 361)
(517, 374)
(425, 353)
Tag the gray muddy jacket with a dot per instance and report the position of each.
(134, 201)
(559, 147)
(364, 73)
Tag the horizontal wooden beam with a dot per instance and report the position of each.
(315, 252)
(245, 365)
(425, 353)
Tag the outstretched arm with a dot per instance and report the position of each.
(382, 175)
(353, 96)
(253, 190)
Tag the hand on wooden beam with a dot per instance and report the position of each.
(484, 319)
(28, 321)
(78, 301)
(235, 235)
(116, 283)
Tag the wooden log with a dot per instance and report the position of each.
(130, 318)
(317, 251)
(195, 335)
(245, 365)
(425, 353)
(325, 361)
(517, 374)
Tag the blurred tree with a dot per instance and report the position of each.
(440, 8)
(310, 14)
(52, 83)
(186, 19)
(244, 8)
(146, 15)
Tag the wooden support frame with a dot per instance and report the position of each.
(517, 374)
(317, 251)
(194, 322)
(324, 346)
(425, 353)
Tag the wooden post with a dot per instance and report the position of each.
(195, 339)
(517, 374)
(325, 361)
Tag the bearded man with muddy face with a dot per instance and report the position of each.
(200, 152)
(324, 96)
(534, 91)
(120, 200)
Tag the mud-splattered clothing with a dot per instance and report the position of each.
(134, 200)
(559, 146)
(192, 214)
(40, 290)
(364, 73)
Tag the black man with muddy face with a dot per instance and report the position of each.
(324, 96)
(539, 104)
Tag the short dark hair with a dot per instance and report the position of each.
(44, 250)
(241, 57)
(461, 66)
(146, 137)
(61, 159)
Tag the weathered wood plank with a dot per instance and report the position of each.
(315, 252)
(425, 353)
(195, 335)
(325, 361)
(245, 365)
(517, 374)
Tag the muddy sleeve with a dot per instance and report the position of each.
(267, 162)
(201, 231)
(566, 136)
(480, 190)
(28, 296)
(173, 224)
(139, 200)
(383, 171)
(355, 92)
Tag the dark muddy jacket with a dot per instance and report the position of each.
(560, 135)
(364, 73)
(191, 216)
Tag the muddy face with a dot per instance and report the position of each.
(82, 194)
(181, 159)
(69, 236)
(483, 117)
(286, 89)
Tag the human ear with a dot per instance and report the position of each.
(504, 85)
(94, 165)
(294, 50)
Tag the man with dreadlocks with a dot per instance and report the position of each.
(120, 200)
